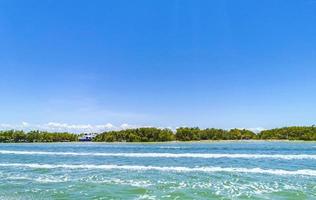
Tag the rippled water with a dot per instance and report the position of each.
(217, 170)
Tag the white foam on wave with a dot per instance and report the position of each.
(40, 179)
(210, 169)
(171, 147)
(167, 155)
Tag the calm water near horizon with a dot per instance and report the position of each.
(197, 170)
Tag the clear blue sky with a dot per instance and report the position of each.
(162, 63)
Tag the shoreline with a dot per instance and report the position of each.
(168, 142)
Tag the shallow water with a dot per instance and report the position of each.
(217, 170)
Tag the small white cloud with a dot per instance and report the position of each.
(5, 126)
(53, 126)
(255, 130)
(25, 124)
(106, 126)
(65, 127)
(60, 127)
(125, 126)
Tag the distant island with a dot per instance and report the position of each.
(307, 133)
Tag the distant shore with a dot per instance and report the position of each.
(168, 142)
(151, 134)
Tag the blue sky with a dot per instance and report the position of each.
(164, 63)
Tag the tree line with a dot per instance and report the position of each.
(181, 134)
(307, 133)
(290, 133)
(137, 135)
(189, 134)
(36, 136)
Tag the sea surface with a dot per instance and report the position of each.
(201, 170)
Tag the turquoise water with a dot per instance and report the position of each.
(217, 170)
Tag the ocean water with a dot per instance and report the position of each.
(213, 170)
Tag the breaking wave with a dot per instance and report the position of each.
(306, 172)
(167, 155)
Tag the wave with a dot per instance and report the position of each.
(167, 155)
(306, 172)
(170, 147)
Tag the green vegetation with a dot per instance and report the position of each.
(290, 133)
(307, 133)
(196, 134)
(189, 134)
(36, 136)
(136, 135)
